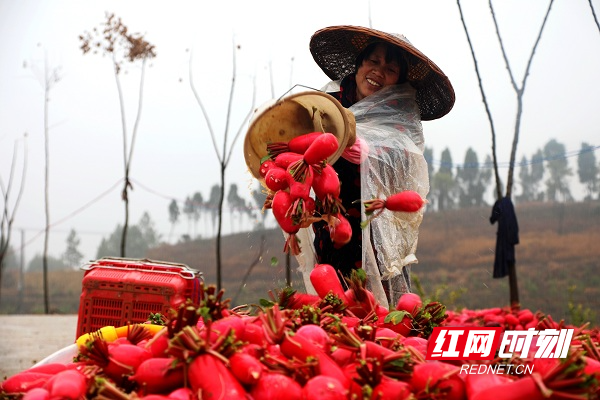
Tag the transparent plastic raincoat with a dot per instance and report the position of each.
(389, 124)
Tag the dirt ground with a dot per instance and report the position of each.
(28, 339)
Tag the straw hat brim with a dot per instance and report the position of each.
(335, 50)
(293, 116)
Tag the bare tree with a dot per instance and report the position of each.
(10, 210)
(223, 155)
(48, 79)
(519, 91)
(114, 40)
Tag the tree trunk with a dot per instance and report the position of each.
(46, 191)
(219, 227)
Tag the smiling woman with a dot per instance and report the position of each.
(379, 65)
(390, 86)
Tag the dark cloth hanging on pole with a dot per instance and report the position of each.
(507, 237)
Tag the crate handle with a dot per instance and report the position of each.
(185, 272)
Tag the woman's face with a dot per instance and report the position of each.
(375, 73)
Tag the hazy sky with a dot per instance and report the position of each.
(173, 155)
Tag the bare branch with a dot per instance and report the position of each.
(519, 91)
(230, 102)
(139, 113)
(512, 79)
(122, 108)
(204, 113)
(485, 103)
(258, 258)
(243, 124)
(8, 215)
(537, 41)
(594, 14)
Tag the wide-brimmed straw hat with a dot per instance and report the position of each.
(335, 50)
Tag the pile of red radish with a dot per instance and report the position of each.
(338, 344)
(303, 188)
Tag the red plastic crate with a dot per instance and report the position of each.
(118, 291)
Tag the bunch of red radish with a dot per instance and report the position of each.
(338, 344)
(303, 188)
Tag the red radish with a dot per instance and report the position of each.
(50, 368)
(181, 394)
(323, 147)
(341, 231)
(322, 387)
(317, 335)
(302, 348)
(325, 279)
(246, 368)
(418, 343)
(123, 360)
(309, 205)
(299, 190)
(284, 160)
(275, 386)
(209, 376)
(67, 385)
(525, 316)
(592, 367)
(355, 391)
(343, 356)
(159, 375)
(303, 206)
(254, 334)
(362, 301)
(255, 350)
(298, 300)
(511, 320)
(326, 182)
(222, 327)
(406, 201)
(522, 388)
(475, 383)
(381, 311)
(299, 144)
(400, 322)
(121, 340)
(24, 381)
(375, 350)
(37, 394)
(265, 166)
(391, 389)
(277, 179)
(326, 185)
(410, 302)
(315, 156)
(350, 321)
(282, 202)
(436, 375)
(158, 344)
(385, 336)
(543, 366)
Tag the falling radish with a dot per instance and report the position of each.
(406, 201)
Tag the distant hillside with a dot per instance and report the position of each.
(557, 259)
(557, 263)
